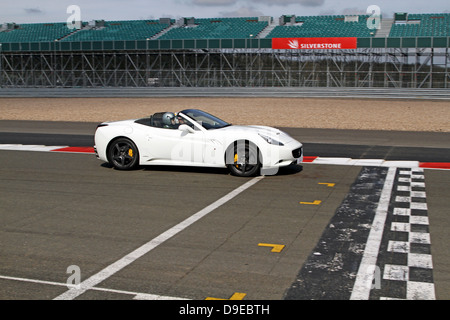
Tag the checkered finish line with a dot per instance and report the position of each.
(405, 259)
(377, 244)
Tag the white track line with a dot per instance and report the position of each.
(152, 244)
(51, 283)
(28, 147)
(365, 276)
(137, 295)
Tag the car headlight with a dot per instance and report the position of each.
(271, 140)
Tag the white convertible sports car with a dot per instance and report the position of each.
(195, 138)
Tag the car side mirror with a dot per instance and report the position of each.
(185, 128)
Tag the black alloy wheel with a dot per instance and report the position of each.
(243, 159)
(123, 154)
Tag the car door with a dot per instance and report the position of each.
(175, 146)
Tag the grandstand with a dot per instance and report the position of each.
(422, 25)
(412, 25)
(324, 26)
(117, 30)
(217, 28)
(38, 32)
(408, 50)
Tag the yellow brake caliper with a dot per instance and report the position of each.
(130, 152)
(236, 160)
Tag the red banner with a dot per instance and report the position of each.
(328, 43)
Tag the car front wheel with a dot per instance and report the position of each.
(243, 159)
(123, 154)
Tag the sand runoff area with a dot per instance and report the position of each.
(339, 113)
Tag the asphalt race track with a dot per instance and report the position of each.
(74, 228)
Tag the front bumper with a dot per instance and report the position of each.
(282, 156)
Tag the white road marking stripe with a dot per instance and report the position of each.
(36, 281)
(147, 247)
(364, 278)
(366, 162)
(147, 296)
(137, 295)
(27, 147)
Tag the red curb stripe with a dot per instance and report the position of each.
(76, 149)
(309, 159)
(435, 165)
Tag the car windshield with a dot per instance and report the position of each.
(205, 119)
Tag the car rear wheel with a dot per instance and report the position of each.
(243, 159)
(123, 154)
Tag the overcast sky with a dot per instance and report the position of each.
(32, 11)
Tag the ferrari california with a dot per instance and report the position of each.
(195, 138)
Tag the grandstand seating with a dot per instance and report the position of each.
(405, 25)
(323, 26)
(218, 28)
(119, 30)
(422, 25)
(35, 32)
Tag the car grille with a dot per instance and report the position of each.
(297, 153)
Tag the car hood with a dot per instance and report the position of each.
(264, 130)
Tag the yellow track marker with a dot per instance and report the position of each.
(328, 184)
(275, 247)
(235, 296)
(315, 202)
